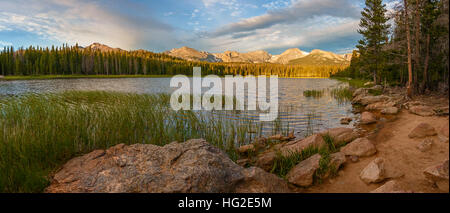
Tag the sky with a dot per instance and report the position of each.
(207, 25)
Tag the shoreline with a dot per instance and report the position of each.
(50, 77)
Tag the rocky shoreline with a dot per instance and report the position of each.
(197, 167)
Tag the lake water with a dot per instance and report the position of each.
(298, 112)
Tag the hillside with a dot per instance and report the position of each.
(320, 57)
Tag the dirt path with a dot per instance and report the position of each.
(401, 157)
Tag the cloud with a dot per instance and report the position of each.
(81, 21)
(299, 10)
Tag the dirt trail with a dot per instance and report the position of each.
(401, 157)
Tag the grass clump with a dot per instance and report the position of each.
(342, 95)
(313, 93)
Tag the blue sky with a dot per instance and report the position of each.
(209, 25)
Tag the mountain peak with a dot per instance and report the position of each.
(102, 47)
(288, 55)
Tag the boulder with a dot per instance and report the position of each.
(303, 173)
(374, 172)
(337, 159)
(380, 105)
(422, 130)
(373, 99)
(297, 146)
(390, 187)
(341, 135)
(265, 160)
(257, 180)
(422, 110)
(361, 147)
(438, 175)
(368, 118)
(191, 167)
(425, 145)
(360, 91)
(389, 110)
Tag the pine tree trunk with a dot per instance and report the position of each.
(425, 67)
(408, 41)
(417, 41)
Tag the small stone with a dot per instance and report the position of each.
(422, 130)
(368, 118)
(246, 148)
(443, 134)
(354, 159)
(438, 175)
(425, 145)
(346, 121)
(374, 172)
(243, 162)
(390, 111)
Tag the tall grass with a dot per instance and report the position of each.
(342, 95)
(38, 133)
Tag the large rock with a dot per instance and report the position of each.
(373, 99)
(303, 173)
(422, 110)
(265, 160)
(297, 146)
(390, 110)
(380, 105)
(374, 172)
(361, 147)
(389, 187)
(341, 135)
(368, 118)
(360, 92)
(438, 175)
(257, 180)
(337, 159)
(422, 130)
(191, 167)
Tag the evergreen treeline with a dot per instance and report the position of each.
(73, 60)
(413, 51)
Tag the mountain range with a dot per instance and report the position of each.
(290, 56)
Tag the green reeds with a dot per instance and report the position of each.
(313, 93)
